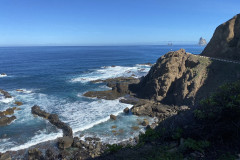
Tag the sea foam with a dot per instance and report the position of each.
(112, 72)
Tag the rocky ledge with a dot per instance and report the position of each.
(67, 139)
(119, 88)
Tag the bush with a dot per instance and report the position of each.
(177, 134)
(150, 135)
(223, 105)
(114, 148)
(196, 145)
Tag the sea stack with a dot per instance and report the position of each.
(225, 43)
(202, 42)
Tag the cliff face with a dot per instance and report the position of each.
(180, 78)
(175, 78)
(225, 42)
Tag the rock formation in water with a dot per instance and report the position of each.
(5, 94)
(225, 42)
(202, 42)
(53, 118)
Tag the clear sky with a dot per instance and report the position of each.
(111, 22)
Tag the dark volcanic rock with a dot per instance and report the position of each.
(67, 131)
(5, 94)
(126, 110)
(54, 119)
(113, 117)
(225, 42)
(119, 88)
(37, 111)
(6, 120)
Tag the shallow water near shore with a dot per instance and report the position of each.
(55, 78)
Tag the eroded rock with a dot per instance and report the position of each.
(225, 43)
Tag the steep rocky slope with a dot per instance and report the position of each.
(180, 78)
(225, 42)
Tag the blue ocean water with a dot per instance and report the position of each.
(55, 79)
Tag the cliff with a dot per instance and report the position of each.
(180, 78)
(225, 42)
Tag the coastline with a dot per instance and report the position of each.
(53, 143)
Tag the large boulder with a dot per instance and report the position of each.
(65, 142)
(225, 43)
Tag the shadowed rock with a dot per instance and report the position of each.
(225, 42)
(126, 110)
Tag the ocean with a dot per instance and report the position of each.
(55, 78)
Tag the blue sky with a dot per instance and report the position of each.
(110, 22)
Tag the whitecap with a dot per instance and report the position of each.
(6, 100)
(42, 136)
(1, 76)
(112, 72)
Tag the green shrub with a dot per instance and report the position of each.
(227, 156)
(112, 148)
(177, 134)
(224, 104)
(196, 145)
(150, 135)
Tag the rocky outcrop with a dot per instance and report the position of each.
(156, 109)
(225, 42)
(175, 78)
(5, 94)
(54, 119)
(67, 139)
(119, 88)
(41, 113)
(202, 42)
(4, 120)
